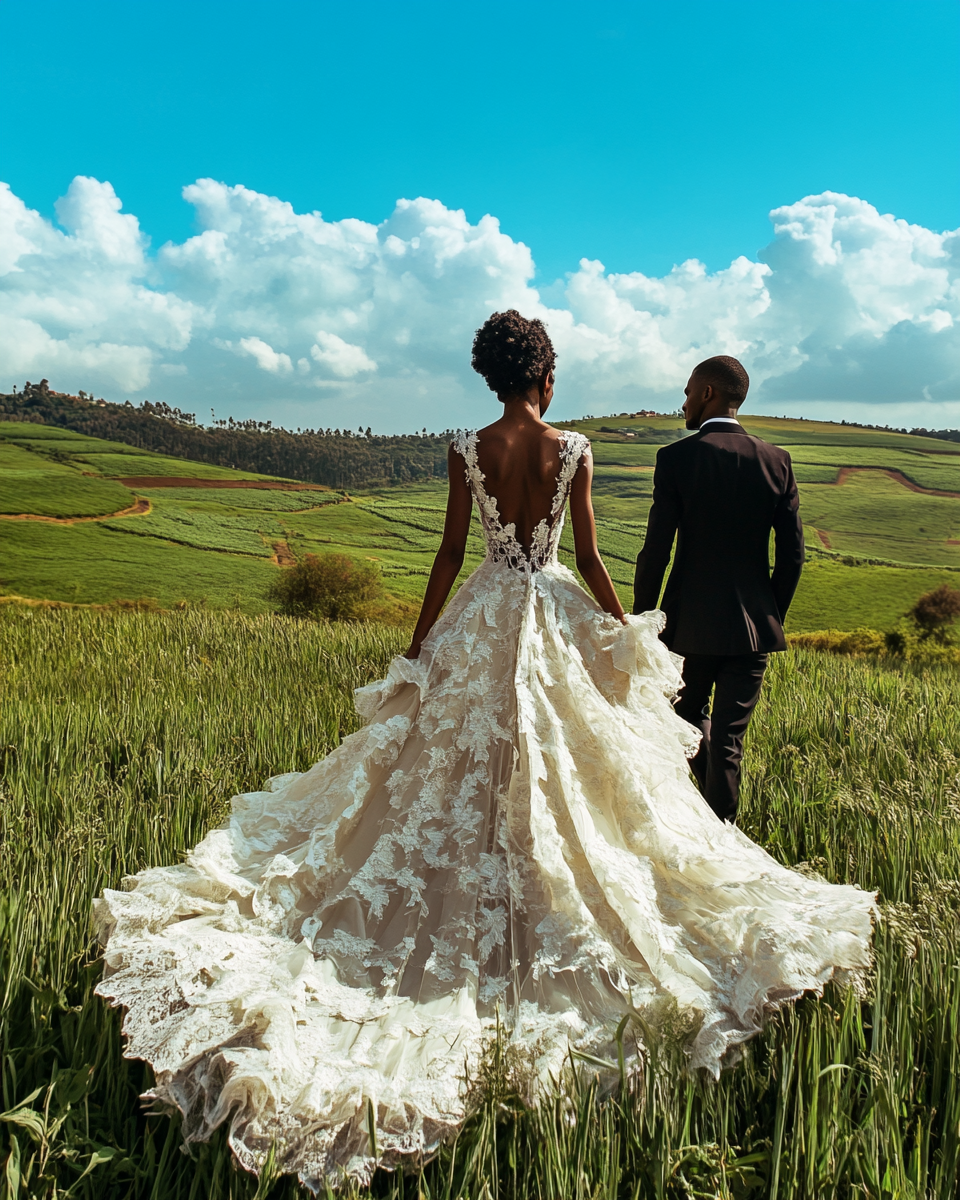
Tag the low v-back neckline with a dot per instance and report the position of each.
(502, 543)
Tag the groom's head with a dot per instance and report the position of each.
(717, 388)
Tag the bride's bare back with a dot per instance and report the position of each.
(521, 466)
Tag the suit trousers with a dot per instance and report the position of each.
(735, 681)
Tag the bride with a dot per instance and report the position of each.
(513, 837)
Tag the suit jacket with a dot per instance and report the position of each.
(721, 491)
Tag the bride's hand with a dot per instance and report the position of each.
(414, 651)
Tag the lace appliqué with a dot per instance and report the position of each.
(501, 540)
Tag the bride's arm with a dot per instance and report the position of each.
(449, 560)
(589, 563)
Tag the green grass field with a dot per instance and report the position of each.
(110, 459)
(122, 737)
(216, 545)
(38, 485)
(90, 564)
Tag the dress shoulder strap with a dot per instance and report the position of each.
(465, 444)
(572, 449)
(575, 445)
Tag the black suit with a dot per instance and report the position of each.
(721, 492)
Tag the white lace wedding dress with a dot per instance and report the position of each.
(512, 836)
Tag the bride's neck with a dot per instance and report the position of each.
(522, 409)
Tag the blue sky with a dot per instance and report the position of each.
(640, 135)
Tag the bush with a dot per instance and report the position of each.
(935, 612)
(836, 641)
(331, 586)
(902, 642)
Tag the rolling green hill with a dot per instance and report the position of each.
(84, 520)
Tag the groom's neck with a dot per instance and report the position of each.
(711, 412)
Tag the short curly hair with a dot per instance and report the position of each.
(727, 375)
(512, 353)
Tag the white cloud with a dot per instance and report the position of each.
(266, 357)
(343, 359)
(845, 309)
(82, 305)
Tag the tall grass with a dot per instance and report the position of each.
(122, 738)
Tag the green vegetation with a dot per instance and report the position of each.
(835, 596)
(131, 463)
(400, 536)
(122, 737)
(210, 526)
(926, 634)
(935, 614)
(88, 564)
(340, 459)
(870, 515)
(875, 544)
(896, 646)
(242, 498)
(30, 483)
(109, 459)
(329, 586)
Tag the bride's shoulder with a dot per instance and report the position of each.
(464, 441)
(574, 444)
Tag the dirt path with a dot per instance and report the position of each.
(824, 539)
(141, 506)
(283, 556)
(899, 477)
(173, 481)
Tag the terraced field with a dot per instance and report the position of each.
(89, 521)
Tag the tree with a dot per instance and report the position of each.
(935, 612)
(332, 586)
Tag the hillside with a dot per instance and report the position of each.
(334, 458)
(90, 520)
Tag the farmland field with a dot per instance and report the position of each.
(122, 737)
(43, 487)
(88, 564)
(876, 539)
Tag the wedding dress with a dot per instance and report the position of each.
(513, 837)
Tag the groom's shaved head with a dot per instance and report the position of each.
(726, 376)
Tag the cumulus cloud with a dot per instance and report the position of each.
(342, 358)
(266, 357)
(81, 302)
(846, 306)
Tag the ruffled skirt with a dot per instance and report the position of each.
(513, 838)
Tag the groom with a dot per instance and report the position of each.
(721, 491)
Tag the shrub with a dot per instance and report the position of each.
(331, 586)
(935, 612)
(902, 642)
(836, 641)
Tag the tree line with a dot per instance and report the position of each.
(945, 435)
(338, 458)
